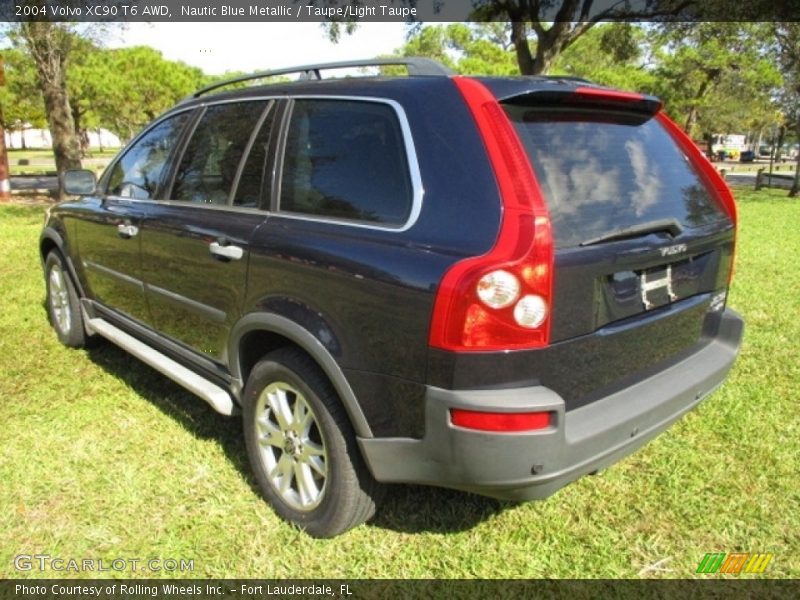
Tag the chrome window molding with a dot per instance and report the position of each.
(415, 176)
(417, 190)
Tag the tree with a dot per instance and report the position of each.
(609, 54)
(49, 45)
(84, 79)
(125, 88)
(20, 96)
(787, 40)
(716, 76)
(540, 30)
(612, 54)
(479, 48)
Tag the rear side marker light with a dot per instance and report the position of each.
(500, 422)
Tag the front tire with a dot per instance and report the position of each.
(63, 307)
(302, 448)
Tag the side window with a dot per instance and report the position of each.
(346, 160)
(138, 173)
(255, 173)
(211, 160)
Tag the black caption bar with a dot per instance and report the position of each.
(251, 589)
(381, 10)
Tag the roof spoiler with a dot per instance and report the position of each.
(589, 95)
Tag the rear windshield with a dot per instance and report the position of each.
(602, 172)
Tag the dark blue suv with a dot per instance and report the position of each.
(496, 285)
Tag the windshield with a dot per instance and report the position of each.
(606, 171)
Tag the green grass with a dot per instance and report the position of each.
(736, 167)
(42, 162)
(100, 457)
(15, 155)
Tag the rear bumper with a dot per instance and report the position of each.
(524, 466)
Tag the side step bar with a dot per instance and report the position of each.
(218, 398)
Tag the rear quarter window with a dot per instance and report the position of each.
(346, 160)
(602, 171)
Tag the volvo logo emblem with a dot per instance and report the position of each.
(673, 250)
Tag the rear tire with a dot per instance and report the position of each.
(63, 306)
(302, 447)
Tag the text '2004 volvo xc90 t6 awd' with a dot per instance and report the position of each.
(495, 285)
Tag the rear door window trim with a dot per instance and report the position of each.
(415, 177)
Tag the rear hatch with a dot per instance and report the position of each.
(643, 241)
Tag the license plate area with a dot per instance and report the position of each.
(656, 287)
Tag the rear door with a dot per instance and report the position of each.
(109, 230)
(195, 243)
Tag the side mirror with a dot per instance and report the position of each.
(80, 182)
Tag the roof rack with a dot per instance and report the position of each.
(415, 65)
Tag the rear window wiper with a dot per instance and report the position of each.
(670, 226)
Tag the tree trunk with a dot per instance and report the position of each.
(62, 128)
(519, 38)
(795, 191)
(5, 184)
(49, 45)
(550, 43)
(691, 119)
(779, 144)
(545, 57)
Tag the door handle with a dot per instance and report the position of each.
(228, 252)
(126, 230)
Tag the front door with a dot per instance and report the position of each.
(109, 229)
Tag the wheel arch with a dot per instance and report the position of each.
(51, 240)
(259, 333)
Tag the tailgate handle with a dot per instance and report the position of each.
(225, 251)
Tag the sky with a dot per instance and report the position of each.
(220, 47)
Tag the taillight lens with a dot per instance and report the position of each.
(713, 180)
(531, 311)
(498, 289)
(503, 422)
(478, 306)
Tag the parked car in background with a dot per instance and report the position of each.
(492, 284)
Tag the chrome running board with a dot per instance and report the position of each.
(218, 398)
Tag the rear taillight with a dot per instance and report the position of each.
(713, 180)
(503, 299)
(507, 422)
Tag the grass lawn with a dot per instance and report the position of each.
(101, 457)
(41, 162)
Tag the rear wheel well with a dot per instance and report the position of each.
(257, 344)
(254, 345)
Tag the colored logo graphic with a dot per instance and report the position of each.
(734, 563)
